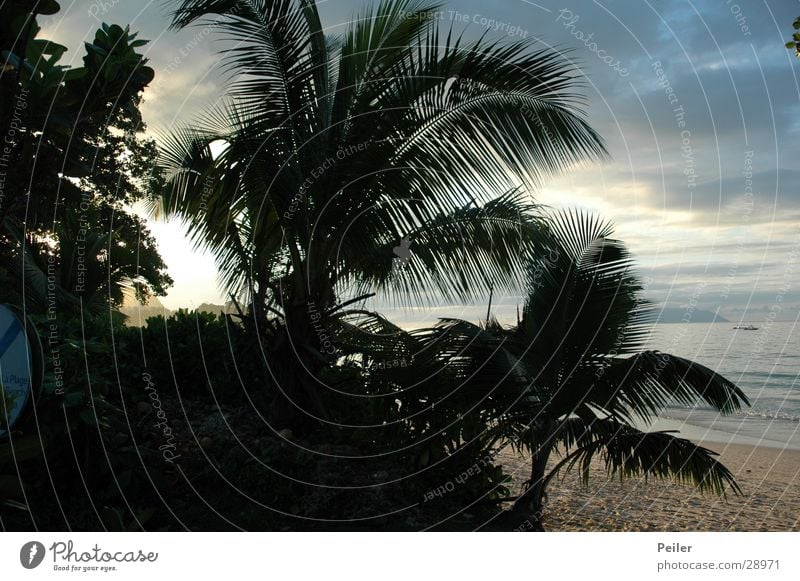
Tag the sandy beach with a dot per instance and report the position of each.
(769, 478)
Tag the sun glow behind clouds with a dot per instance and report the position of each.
(193, 271)
(739, 93)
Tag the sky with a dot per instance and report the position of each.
(698, 102)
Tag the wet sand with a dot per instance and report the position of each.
(769, 478)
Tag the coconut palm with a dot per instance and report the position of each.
(396, 158)
(591, 390)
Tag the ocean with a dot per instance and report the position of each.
(764, 363)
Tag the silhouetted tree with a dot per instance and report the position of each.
(333, 153)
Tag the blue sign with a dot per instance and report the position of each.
(20, 365)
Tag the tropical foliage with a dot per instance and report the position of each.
(794, 44)
(590, 389)
(329, 154)
(397, 159)
(193, 354)
(74, 161)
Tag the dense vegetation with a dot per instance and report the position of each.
(303, 410)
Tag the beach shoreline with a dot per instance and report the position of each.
(768, 476)
(714, 428)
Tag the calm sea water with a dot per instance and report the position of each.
(765, 363)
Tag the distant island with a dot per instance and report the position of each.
(678, 315)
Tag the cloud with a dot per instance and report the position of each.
(676, 186)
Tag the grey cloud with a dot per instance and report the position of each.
(645, 131)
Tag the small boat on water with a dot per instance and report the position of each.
(746, 327)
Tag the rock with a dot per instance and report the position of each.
(206, 442)
(215, 423)
(143, 407)
(286, 434)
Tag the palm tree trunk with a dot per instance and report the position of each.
(528, 509)
(302, 349)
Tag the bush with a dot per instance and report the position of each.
(93, 439)
(77, 443)
(190, 354)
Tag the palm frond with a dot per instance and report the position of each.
(458, 256)
(584, 304)
(627, 452)
(336, 152)
(648, 382)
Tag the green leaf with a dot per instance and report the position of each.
(47, 7)
(96, 49)
(115, 31)
(145, 75)
(47, 47)
(15, 61)
(43, 7)
(75, 74)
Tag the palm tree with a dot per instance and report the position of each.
(590, 387)
(393, 159)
